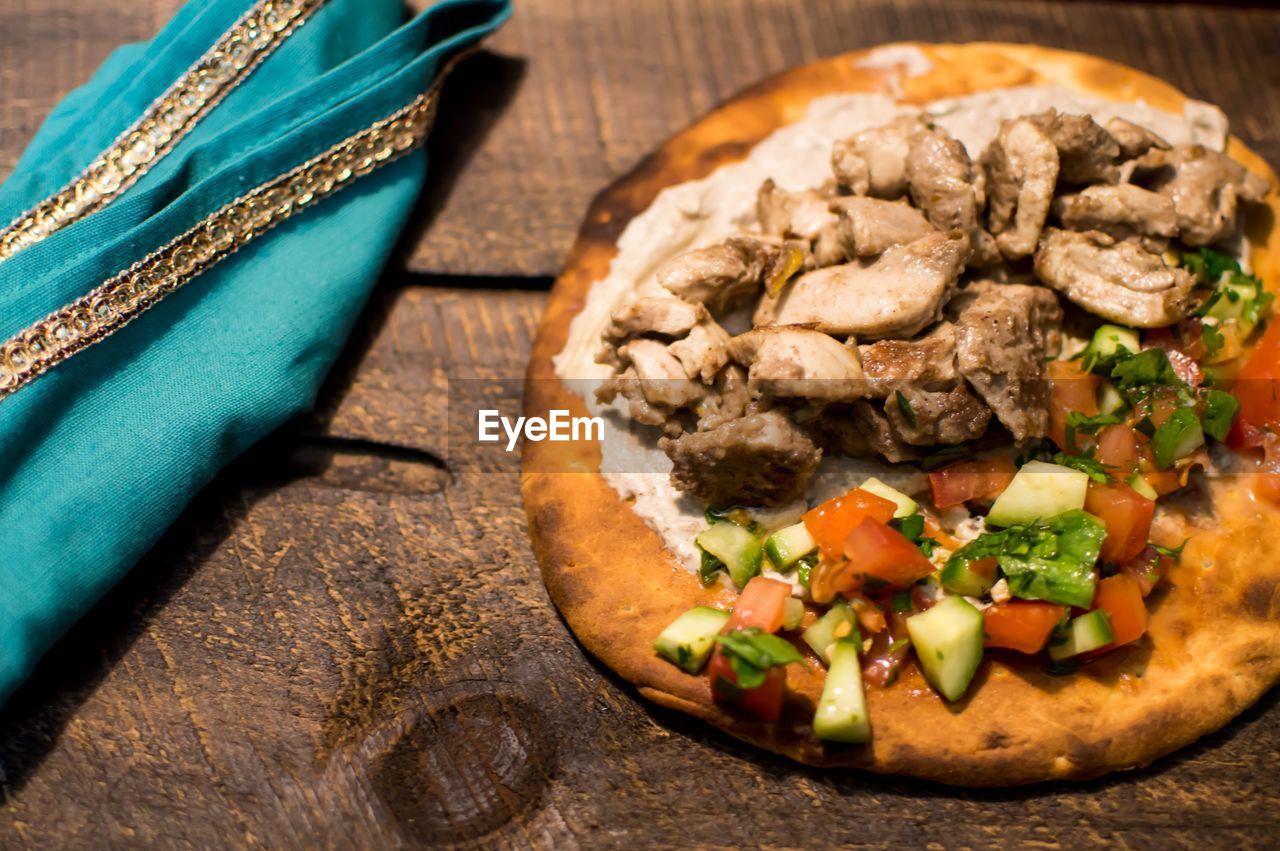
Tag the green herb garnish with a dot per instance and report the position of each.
(752, 652)
(905, 407)
(912, 528)
(1096, 470)
(1220, 411)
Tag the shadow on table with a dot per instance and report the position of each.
(475, 94)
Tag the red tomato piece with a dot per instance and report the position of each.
(1257, 389)
(1070, 389)
(764, 701)
(1118, 449)
(832, 521)
(1120, 596)
(881, 558)
(1161, 481)
(1183, 363)
(1022, 625)
(1127, 515)
(983, 479)
(760, 605)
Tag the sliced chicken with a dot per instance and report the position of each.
(869, 226)
(703, 352)
(654, 384)
(759, 459)
(1004, 334)
(1021, 166)
(1121, 210)
(798, 363)
(871, 420)
(895, 295)
(873, 161)
(1120, 281)
(803, 215)
(1087, 153)
(928, 362)
(665, 317)
(940, 177)
(930, 417)
(1134, 141)
(1205, 187)
(722, 276)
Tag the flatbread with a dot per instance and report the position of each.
(1213, 646)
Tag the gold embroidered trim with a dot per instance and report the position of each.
(253, 38)
(116, 303)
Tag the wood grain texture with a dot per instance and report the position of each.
(572, 93)
(345, 642)
(344, 645)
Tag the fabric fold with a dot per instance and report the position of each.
(156, 338)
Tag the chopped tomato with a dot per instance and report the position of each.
(1180, 357)
(1266, 483)
(1120, 596)
(982, 479)
(1070, 389)
(1127, 515)
(1258, 391)
(1267, 486)
(1118, 449)
(1022, 625)
(879, 558)
(1147, 569)
(763, 701)
(831, 522)
(760, 605)
(984, 568)
(1162, 404)
(1191, 339)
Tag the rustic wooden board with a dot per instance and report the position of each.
(574, 92)
(348, 645)
(345, 642)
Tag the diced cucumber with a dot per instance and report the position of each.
(959, 579)
(906, 505)
(787, 546)
(1177, 437)
(838, 622)
(1040, 490)
(1140, 485)
(792, 613)
(842, 709)
(1236, 302)
(736, 547)
(1106, 344)
(1087, 632)
(1109, 399)
(948, 642)
(690, 638)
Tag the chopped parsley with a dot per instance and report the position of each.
(1209, 265)
(912, 528)
(1096, 470)
(752, 652)
(1148, 367)
(1049, 560)
(709, 567)
(1220, 411)
(905, 407)
(1174, 553)
(1213, 339)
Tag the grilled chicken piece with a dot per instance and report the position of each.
(1120, 211)
(871, 420)
(930, 417)
(797, 363)
(895, 295)
(803, 215)
(940, 177)
(1004, 334)
(1205, 187)
(873, 161)
(928, 362)
(654, 383)
(1021, 166)
(664, 317)
(1120, 281)
(1134, 141)
(870, 226)
(703, 352)
(758, 459)
(1087, 153)
(723, 276)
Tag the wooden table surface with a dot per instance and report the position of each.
(345, 642)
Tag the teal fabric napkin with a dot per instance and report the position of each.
(195, 231)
